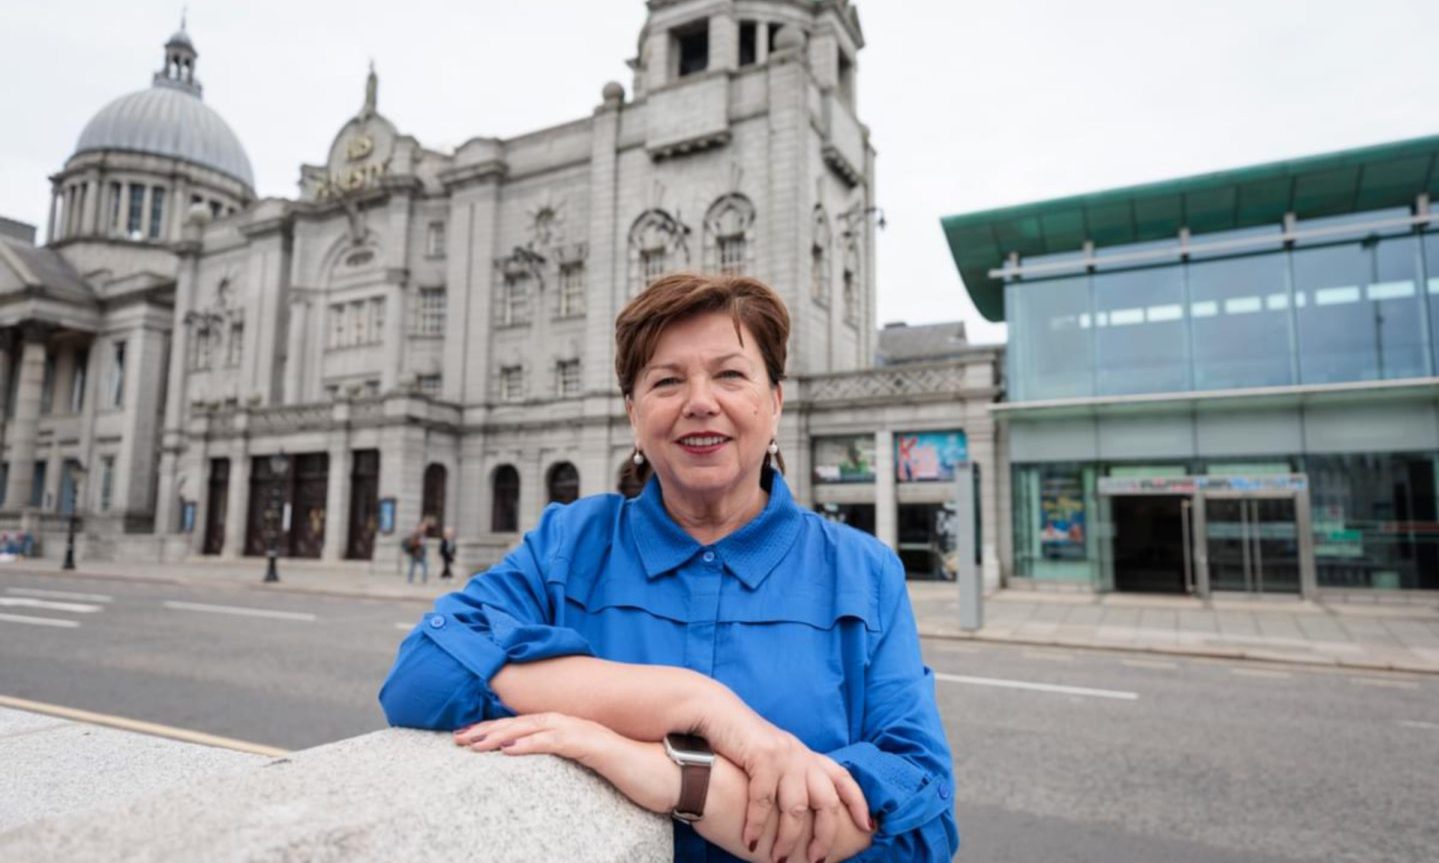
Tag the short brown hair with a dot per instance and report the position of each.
(680, 296)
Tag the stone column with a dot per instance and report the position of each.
(295, 350)
(27, 418)
(886, 508)
(337, 487)
(533, 493)
(172, 440)
(237, 511)
(7, 345)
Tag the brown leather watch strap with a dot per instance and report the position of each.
(694, 788)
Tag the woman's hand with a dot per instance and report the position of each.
(789, 780)
(613, 756)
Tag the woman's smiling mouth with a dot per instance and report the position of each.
(702, 444)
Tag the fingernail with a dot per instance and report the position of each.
(508, 743)
(479, 739)
(871, 824)
(784, 860)
(754, 843)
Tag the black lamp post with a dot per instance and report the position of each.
(77, 474)
(279, 465)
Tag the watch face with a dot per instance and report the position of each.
(689, 749)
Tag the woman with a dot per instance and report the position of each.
(710, 604)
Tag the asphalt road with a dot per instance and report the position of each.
(1059, 755)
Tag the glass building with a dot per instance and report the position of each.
(1224, 382)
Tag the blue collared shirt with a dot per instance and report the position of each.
(808, 621)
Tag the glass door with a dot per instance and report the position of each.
(1253, 544)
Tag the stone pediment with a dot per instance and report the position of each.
(37, 272)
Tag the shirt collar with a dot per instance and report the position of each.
(751, 553)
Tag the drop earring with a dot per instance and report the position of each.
(639, 457)
(773, 447)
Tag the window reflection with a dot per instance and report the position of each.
(1053, 359)
(1141, 339)
(1240, 308)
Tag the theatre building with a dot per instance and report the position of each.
(1222, 383)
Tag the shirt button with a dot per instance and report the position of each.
(943, 791)
(709, 557)
(437, 622)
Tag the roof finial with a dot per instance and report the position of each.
(184, 10)
(372, 88)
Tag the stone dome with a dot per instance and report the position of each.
(170, 119)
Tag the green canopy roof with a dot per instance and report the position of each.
(1387, 175)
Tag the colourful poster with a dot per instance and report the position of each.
(844, 459)
(1061, 503)
(929, 456)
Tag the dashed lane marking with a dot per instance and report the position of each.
(1382, 681)
(152, 728)
(39, 621)
(1052, 688)
(302, 616)
(1415, 723)
(48, 605)
(59, 594)
(405, 626)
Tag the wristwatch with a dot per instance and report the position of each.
(694, 756)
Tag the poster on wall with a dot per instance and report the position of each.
(844, 459)
(929, 456)
(1061, 506)
(387, 515)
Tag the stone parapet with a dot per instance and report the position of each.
(392, 795)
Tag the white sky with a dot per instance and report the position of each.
(972, 103)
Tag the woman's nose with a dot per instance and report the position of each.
(700, 400)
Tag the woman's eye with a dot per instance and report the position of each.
(731, 373)
(665, 382)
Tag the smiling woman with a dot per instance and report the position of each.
(709, 647)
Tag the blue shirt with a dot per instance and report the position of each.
(806, 620)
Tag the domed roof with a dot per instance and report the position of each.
(169, 119)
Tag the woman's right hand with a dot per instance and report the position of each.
(789, 781)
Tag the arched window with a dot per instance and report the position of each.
(629, 482)
(728, 227)
(657, 246)
(505, 506)
(433, 499)
(820, 256)
(563, 483)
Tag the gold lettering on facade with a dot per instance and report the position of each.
(336, 184)
(359, 147)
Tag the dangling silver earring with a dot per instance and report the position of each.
(639, 457)
(773, 447)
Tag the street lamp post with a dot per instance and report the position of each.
(279, 465)
(77, 473)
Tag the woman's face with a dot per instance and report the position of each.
(703, 411)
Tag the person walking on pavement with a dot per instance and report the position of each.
(415, 547)
(447, 552)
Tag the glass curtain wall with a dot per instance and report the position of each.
(1054, 515)
(1359, 310)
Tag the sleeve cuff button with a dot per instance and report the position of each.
(437, 622)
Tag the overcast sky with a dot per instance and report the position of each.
(971, 104)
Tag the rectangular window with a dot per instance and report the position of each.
(112, 215)
(37, 490)
(435, 240)
(67, 504)
(572, 289)
(358, 328)
(731, 255)
(429, 385)
(237, 343)
(652, 263)
(135, 214)
(117, 376)
(47, 385)
(430, 312)
(748, 43)
(77, 380)
(1144, 348)
(846, 78)
(157, 211)
(372, 389)
(216, 209)
(692, 45)
(515, 303)
(377, 320)
(819, 274)
(107, 482)
(512, 383)
(337, 325)
(567, 378)
(1240, 348)
(850, 298)
(4, 479)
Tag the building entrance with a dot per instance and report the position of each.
(1150, 551)
(1201, 534)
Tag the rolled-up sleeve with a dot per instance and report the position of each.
(511, 613)
(903, 762)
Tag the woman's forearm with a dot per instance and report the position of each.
(643, 702)
(646, 775)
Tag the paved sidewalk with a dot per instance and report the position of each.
(1398, 637)
(1347, 634)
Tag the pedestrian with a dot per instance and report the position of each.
(419, 556)
(447, 552)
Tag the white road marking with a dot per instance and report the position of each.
(128, 724)
(303, 616)
(1261, 672)
(1380, 681)
(1038, 687)
(39, 621)
(1050, 655)
(1149, 663)
(405, 626)
(1414, 723)
(59, 594)
(47, 605)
